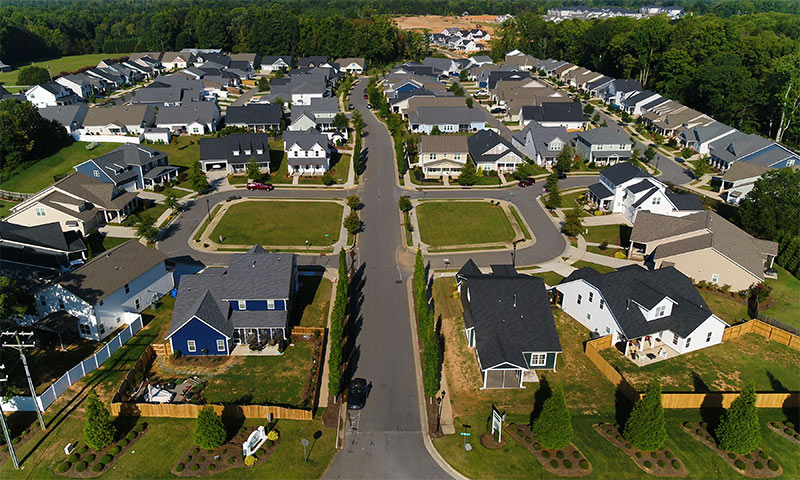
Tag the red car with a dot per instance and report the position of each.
(366, 96)
(260, 186)
(526, 182)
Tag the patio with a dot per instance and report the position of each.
(648, 350)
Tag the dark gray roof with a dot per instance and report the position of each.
(47, 235)
(604, 136)
(641, 186)
(510, 313)
(627, 85)
(685, 201)
(482, 142)
(554, 112)
(736, 145)
(255, 275)
(446, 115)
(52, 87)
(636, 284)
(312, 60)
(497, 75)
(658, 101)
(203, 112)
(254, 114)
(156, 172)
(222, 148)
(599, 82)
(66, 115)
(622, 172)
(600, 191)
(115, 163)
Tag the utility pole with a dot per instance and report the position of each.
(7, 434)
(19, 347)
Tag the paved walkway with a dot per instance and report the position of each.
(611, 219)
(117, 231)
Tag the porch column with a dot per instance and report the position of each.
(485, 373)
(521, 373)
(627, 347)
(652, 341)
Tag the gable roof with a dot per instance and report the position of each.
(554, 112)
(485, 140)
(622, 172)
(254, 114)
(202, 112)
(220, 148)
(605, 136)
(95, 191)
(66, 115)
(47, 235)
(443, 144)
(743, 171)
(737, 145)
(445, 115)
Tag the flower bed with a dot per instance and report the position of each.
(661, 463)
(566, 462)
(488, 441)
(86, 462)
(198, 462)
(756, 464)
(786, 430)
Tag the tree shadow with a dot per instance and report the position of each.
(542, 393)
(711, 411)
(622, 408)
(777, 385)
(700, 386)
(233, 423)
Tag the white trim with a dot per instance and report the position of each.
(191, 346)
(169, 337)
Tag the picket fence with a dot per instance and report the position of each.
(49, 396)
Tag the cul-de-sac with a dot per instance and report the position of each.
(304, 239)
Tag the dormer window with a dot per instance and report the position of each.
(236, 153)
(242, 304)
(259, 151)
(247, 152)
(660, 311)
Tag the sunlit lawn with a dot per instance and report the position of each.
(786, 292)
(462, 223)
(69, 63)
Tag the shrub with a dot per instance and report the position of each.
(106, 459)
(130, 436)
(200, 459)
(195, 467)
(90, 458)
(603, 245)
(759, 465)
(648, 464)
(212, 466)
(272, 435)
(81, 466)
(739, 430)
(763, 454)
(231, 460)
(98, 467)
(583, 464)
(268, 443)
(63, 467)
(553, 427)
(787, 431)
(638, 454)
(748, 456)
(654, 455)
(676, 464)
(250, 460)
(739, 464)
(188, 458)
(140, 427)
(554, 463)
(560, 454)
(73, 458)
(546, 454)
(528, 439)
(99, 431)
(576, 454)
(773, 465)
(209, 431)
(669, 454)
(123, 443)
(180, 467)
(645, 428)
(660, 463)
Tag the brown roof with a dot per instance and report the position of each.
(99, 193)
(713, 231)
(521, 60)
(443, 144)
(343, 62)
(57, 200)
(118, 115)
(744, 170)
(244, 57)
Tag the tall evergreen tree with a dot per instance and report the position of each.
(553, 427)
(739, 430)
(99, 431)
(209, 431)
(645, 428)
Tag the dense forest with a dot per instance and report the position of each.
(743, 70)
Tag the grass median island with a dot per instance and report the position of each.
(443, 224)
(282, 223)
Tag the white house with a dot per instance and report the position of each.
(656, 313)
(701, 136)
(541, 144)
(604, 145)
(353, 66)
(271, 63)
(177, 60)
(77, 84)
(50, 94)
(308, 153)
(442, 155)
(493, 153)
(119, 120)
(110, 290)
(446, 119)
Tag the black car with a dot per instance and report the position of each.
(357, 394)
(350, 107)
(527, 182)
(562, 175)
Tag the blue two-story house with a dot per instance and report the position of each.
(220, 308)
(130, 167)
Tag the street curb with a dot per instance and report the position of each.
(423, 418)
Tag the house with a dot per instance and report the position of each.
(445, 66)
(671, 118)
(604, 145)
(119, 120)
(700, 137)
(703, 246)
(308, 152)
(313, 61)
(77, 84)
(112, 79)
(635, 103)
(352, 66)
(271, 63)
(496, 76)
(177, 60)
(525, 63)
(480, 60)
(4, 94)
(542, 144)
(43, 246)
(130, 167)
(156, 135)
(740, 146)
(221, 310)
(493, 153)
(646, 312)
(412, 101)
(4, 67)
(598, 86)
(626, 189)
(739, 180)
(509, 323)
(50, 94)
(234, 152)
(442, 155)
(69, 116)
(251, 58)
(555, 114)
(258, 117)
(319, 115)
(619, 90)
(447, 119)
(195, 118)
(301, 88)
(110, 290)
(549, 66)
(77, 202)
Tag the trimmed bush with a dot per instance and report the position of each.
(212, 466)
(763, 454)
(739, 430)
(195, 450)
(553, 427)
(194, 467)
(73, 458)
(638, 454)
(98, 467)
(231, 460)
(81, 466)
(554, 463)
(567, 463)
(704, 424)
(250, 460)
(654, 455)
(748, 456)
(114, 450)
(759, 465)
(676, 464)
(546, 454)
(787, 431)
(584, 465)
(773, 465)
(528, 440)
(123, 443)
(106, 459)
(268, 443)
(209, 432)
(200, 459)
(645, 428)
(699, 432)
(661, 463)
(180, 467)
(140, 427)
(90, 458)
(576, 454)
(739, 464)
(648, 464)
(560, 454)
(99, 431)
(83, 449)
(188, 458)
(537, 446)
(63, 467)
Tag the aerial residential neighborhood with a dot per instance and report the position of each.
(298, 239)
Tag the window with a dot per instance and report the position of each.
(220, 345)
(119, 319)
(674, 338)
(270, 304)
(538, 359)
(660, 311)
(96, 173)
(602, 303)
(688, 341)
(44, 302)
(608, 330)
(657, 201)
(242, 304)
(433, 156)
(102, 328)
(40, 212)
(588, 316)
(84, 329)
(457, 156)
(259, 151)
(191, 346)
(708, 337)
(127, 288)
(61, 305)
(591, 296)
(236, 153)
(714, 278)
(579, 299)
(136, 303)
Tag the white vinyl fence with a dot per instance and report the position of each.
(79, 136)
(25, 404)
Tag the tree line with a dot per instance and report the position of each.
(743, 71)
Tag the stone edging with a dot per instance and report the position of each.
(641, 457)
(706, 439)
(780, 431)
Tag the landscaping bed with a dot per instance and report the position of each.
(785, 430)
(196, 462)
(85, 462)
(756, 464)
(565, 462)
(661, 463)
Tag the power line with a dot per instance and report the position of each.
(19, 346)
(7, 434)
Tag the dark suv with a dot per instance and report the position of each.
(260, 186)
(357, 394)
(527, 182)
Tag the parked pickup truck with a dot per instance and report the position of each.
(260, 186)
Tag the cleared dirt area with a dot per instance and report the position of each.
(437, 23)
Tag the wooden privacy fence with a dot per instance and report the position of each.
(307, 330)
(701, 400)
(162, 348)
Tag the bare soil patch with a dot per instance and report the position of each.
(565, 462)
(661, 463)
(756, 464)
(437, 23)
(488, 441)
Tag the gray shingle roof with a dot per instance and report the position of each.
(482, 142)
(443, 144)
(622, 172)
(48, 235)
(445, 115)
(600, 191)
(743, 170)
(733, 147)
(554, 112)
(306, 140)
(66, 115)
(604, 136)
(203, 112)
(254, 114)
(222, 148)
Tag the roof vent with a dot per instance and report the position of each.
(628, 304)
(254, 264)
(515, 300)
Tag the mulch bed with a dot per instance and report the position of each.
(660, 463)
(197, 462)
(785, 430)
(756, 464)
(488, 441)
(566, 462)
(86, 462)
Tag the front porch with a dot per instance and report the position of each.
(257, 341)
(647, 350)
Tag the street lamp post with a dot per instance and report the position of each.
(439, 401)
(307, 244)
(208, 207)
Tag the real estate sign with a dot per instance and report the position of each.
(497, 423)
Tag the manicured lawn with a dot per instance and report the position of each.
(276, 380)
(312, 302)
(596, 266)
(183, 150)
(724, 306)
(550, 278)
(608, 252)
(487, 180)
(340, 168)
(613, 234)
(786, 292)
(62, 64)
(152, 211)
(6, 206)
(40, 174)
(99, 243)
(206, 222)
(724, 367)
(462, 223)
(280, 223)
(178, 192)
(570, 200)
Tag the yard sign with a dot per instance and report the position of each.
(497, 423)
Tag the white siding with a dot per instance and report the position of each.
(589, 314)
(712, 325)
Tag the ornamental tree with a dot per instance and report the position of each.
(468, 175)
(209, 431)
(572, 222)
(404, 203)
(99, 431)
(352, 223)
(645, 428)
(553, 427)
(739, 430)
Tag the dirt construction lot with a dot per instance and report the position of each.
(437, 23)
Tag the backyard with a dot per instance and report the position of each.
(732, 310)
(462, 223)
(282, 223)
(613, 234)
(786, 292)
(312, 302)
(722, 367)
(69, 63)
